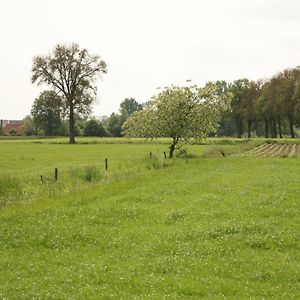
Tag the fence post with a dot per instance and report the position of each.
(165, 155)
(150, 154)
(56, 174)
(106, 164)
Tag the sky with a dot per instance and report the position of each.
(146, 44)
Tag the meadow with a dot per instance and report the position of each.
(210, 223)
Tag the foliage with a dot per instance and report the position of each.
(46, 112)
(244, 94)
(269, 107)
(94, 127)
(114, 124)
(181, 113)
(129, 106)
(13, 132)
(115, 121)
(29, 126)
(72, 72)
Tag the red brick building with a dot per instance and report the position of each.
(14, 129)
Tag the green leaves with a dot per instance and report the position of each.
(71, 71)
(180, 113)
(46, 112)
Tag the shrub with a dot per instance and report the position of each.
(183, 154)
(94, 128)
(155, 163)
(88, 173)
(13, 132)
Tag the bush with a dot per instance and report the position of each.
(88, 173)
(94, 128)
(13, 132)
(155, 163)
(183, 154)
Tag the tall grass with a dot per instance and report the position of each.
(10, 188)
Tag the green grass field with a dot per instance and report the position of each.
(202, 227)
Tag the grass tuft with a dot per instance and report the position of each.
(87, 173)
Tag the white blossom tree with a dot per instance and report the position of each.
(181, 113)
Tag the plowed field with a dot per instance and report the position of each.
(275, 150)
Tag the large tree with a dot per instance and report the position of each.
(264, 107)
(238, 89)
(129, 106)
(289, 79)
(72, 72)
(115, 122)
(181, 113)
(46, 112)
(30, 127)
(249, 95)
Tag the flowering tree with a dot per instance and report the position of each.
(181, 113)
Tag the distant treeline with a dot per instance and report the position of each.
(269, 108)
(47, 118)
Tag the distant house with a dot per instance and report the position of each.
(13, 127)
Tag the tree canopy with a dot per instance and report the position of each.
(72, 72)
(129, 106)
(181, 113)
(46, 112)
(94, 127)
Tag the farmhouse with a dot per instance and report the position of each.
(12, 127)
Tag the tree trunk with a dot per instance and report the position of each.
(249, 128)
(239, 126)
(273, 128)
(172, 148)
(49, 133)
(266, 128)
(279, 127)
(72, 126)
(291, 124)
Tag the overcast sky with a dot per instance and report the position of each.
(146, 43)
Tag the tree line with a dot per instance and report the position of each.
(269, 108)
(48, 118)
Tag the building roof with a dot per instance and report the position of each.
(18, 127)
